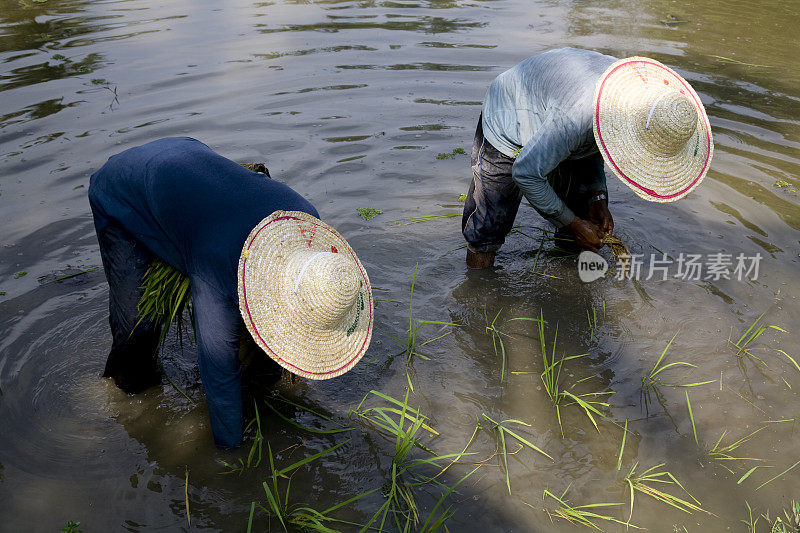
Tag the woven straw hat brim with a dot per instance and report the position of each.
(277, 327)
(618, 129)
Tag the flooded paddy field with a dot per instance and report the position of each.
(352, 103)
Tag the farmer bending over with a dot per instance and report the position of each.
(549, 123)
(259, 262)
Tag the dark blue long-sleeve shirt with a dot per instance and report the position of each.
(194, 209)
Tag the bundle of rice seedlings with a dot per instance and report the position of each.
(617, 247)
(622, 255)
(166, 296)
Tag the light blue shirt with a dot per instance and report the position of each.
(540, 113)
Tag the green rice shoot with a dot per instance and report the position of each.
(501, 429)
(551, 379)
(279, 506)
(646, 482)
(691, 417)
(622, 446)
(166, 295)
(497, 333)
(400, 507)
(743, 344)
(256, 448)
(724, 452)
(652, 380)
(584, 515)
(411, 341)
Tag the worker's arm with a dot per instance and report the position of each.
(218, 326)
(552, 143)
(549, 146)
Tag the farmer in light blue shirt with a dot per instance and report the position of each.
(538, 137)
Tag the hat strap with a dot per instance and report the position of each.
(649, 116)
(303, 270)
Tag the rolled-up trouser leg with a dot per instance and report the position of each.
(133, 361)
(493, 199)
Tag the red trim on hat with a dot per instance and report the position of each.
(608, 155)
(361, 349)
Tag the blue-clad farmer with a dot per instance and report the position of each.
(549, 123)
(259, 261)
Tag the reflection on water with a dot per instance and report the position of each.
(350, 102)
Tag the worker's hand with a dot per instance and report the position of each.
(587, 235)
(600, 216)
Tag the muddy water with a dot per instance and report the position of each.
(350, 103)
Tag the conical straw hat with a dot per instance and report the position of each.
(304, 295)
(652, 129)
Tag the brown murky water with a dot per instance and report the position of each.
(350, 102)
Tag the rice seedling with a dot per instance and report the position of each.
(497, 333)
(291, 513)
(424, 218)
(691, 417)
(523, 230)
(551, 378)
(435, 523)
(788, 523)
(538, 254)
(544, 234)
(720, 453)
(591, 318)
(651, 381)
(752, 523)
(166, 295)
(617, 247)
(256, 448)
(381, 417)
(412, 334)
(747, 474)
(177, 388)
(584, 515)
(642, 483)
(790, 359)
(622, 446)
(400, 507)
(770, 480)
(501, 431)
(752, 333)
